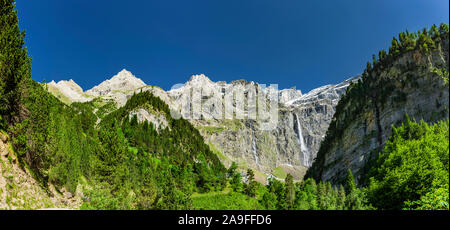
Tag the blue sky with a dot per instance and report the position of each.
(305, 44)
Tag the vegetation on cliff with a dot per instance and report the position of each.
(410, 172)
(126, 164)
(372, 91)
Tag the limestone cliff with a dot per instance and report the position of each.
(289, 147)
(411, 82)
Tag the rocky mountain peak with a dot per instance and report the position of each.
(303, 121)
(123, 81)
(70, 85)
(199, 79)
(124, 75)
(70, 89)
(331, 92)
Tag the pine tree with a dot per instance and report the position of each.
(350, 186)
(269, 201)
(232, 169)
(320, 195)
(443, 29)
(341, 198)
(395, 47)
(290, 191)
(382, 54)
(251, 187)
(368, 66)
(15, 65)
(236, 182)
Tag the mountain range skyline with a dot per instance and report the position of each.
(187, 79)
(293, 43)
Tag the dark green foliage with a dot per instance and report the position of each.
(252, 185)
(236, 182)
(15, 65)
(290, 191)
(307, 195)
(355, 199)
(350, 182)
(166, 165)
(232, 169)
(269, 201)
(180, 143)
(229, 201)
(161, 168)
(51, 139)
(129, 164)
(133, 165)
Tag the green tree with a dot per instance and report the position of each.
(290, 191)
(350, 182)
(355, 197)
(437, 199)
(15, 65)
(269, 201)
(413, 165)
(252, 184)
(368, 66)
(395, 47)
(341, 198)
(236, 182)
(232, 169)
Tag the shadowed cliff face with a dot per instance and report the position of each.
(409, 85)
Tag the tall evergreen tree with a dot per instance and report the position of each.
(15, 65)
(251, 186)
(290, 191)
(350, 186)
(341, 198)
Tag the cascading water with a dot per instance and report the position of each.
(301, 141)
(255, 155)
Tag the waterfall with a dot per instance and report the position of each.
(255, 155)
(301, 141)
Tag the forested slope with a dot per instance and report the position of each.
(99, 156)
(411, 78)
(125, 163)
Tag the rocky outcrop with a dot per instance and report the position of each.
(124, 82)
(230, 116)
(411, 84)
(292, 144)
(68, 91)
(157, 119)
(330, 92)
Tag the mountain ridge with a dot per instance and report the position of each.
(411, 80)
(249, 150)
